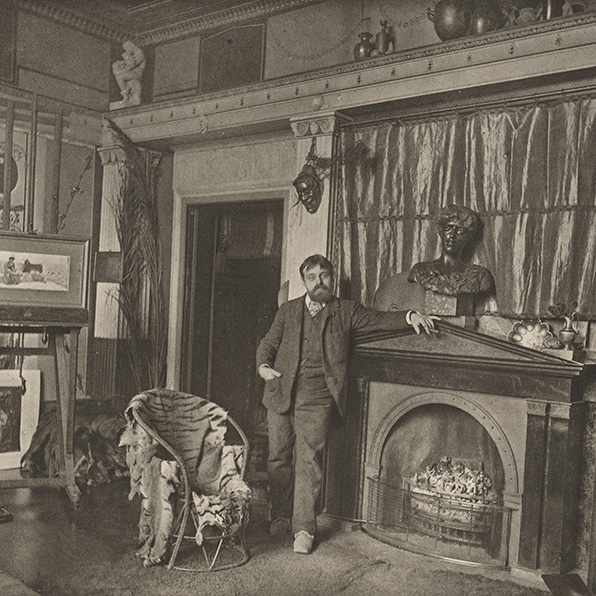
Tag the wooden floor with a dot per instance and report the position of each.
(58, 551)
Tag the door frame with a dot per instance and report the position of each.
(182, 201)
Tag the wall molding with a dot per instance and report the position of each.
(169, 32)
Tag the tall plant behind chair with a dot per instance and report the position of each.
(141, 297)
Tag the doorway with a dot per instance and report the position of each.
(232, 279)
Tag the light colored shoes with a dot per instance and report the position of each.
(303, 542)
(280, 526)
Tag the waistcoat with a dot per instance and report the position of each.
(310, 379)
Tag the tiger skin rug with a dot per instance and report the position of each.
(98, 458)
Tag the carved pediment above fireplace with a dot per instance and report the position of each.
(440, 360)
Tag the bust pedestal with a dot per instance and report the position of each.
(397, 293)
(453, 306)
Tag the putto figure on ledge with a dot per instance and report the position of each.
(128, 72)
(450, 274)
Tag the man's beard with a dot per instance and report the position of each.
(321, 294)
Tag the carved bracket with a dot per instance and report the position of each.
(318, 124)
(111, 155)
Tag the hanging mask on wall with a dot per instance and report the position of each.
(309, 188)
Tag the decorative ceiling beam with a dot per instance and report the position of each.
(186, 28)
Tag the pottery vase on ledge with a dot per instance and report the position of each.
(486, 17)
(364, 47)
(568, 334)
(451, 18)
(383, 38)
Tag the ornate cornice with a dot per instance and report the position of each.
(76, 20)
(170, 32)
(255, 10)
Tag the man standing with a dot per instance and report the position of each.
(304, 362)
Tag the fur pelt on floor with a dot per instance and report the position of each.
(98, 458)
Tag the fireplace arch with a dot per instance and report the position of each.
(459, 401)
(412, 429)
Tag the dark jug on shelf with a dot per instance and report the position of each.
(451, 18)
(487, 16)
(364, 47)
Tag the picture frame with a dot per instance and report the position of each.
(19, 414)
(43, 270)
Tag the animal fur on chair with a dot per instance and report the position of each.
(154, 480)
(227, 510)
(192, 431)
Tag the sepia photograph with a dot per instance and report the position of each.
(297, 297)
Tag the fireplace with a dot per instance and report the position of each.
(515, 414)
(435, 480)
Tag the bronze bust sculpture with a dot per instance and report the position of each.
(450, 274)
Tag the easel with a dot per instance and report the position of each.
(57, 325)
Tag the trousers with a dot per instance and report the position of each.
(297, 440)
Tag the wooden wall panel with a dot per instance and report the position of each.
(232, 58)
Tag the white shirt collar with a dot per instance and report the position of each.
(308, 301)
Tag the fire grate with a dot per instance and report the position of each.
(458, 529)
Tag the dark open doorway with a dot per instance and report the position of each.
(232, 277)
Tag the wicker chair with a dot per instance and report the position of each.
(190, 478)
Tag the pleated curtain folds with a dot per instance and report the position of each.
(530, 173)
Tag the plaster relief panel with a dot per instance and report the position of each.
(246, 167)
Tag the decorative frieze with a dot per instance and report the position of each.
(555, 47)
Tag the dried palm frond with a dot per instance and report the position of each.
(141, 297)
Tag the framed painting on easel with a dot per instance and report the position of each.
(40, 270)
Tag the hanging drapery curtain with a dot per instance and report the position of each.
(530, 173)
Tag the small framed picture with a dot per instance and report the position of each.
(43, 270)
(19, 414)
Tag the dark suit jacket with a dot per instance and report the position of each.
(280, 348)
